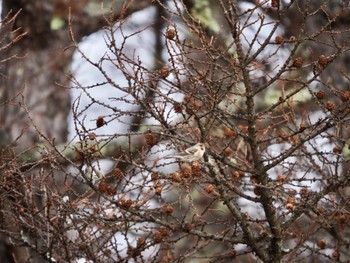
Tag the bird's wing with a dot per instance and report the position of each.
(175, 155)
(191, 150)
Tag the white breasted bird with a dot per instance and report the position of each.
(191, 154)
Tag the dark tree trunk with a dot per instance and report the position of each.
(34, 105)
(39, 65)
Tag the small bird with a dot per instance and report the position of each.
(191, 154)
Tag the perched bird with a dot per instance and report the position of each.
(191, 154)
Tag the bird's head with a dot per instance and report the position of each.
(201, 146)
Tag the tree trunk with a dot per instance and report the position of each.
(34, 103)
(34, 107)
(29, 82)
